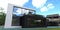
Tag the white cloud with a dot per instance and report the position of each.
(18, 2)
(49, 7)
(38, 3)
(18, 11)
(43, 9)
(21, 11)
(27, 11)
(4, 3)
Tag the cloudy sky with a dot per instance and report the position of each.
(43, 7)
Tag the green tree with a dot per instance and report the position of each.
(2, 16)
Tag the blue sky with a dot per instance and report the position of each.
(42, 7)
(54, 10)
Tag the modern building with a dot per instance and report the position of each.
(53, 19)
(33, 21)
(27, 20)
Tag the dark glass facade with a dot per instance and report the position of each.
(33, 21)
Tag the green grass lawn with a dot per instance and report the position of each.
(2, 28)
(53, 28)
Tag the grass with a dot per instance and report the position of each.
(1, 28)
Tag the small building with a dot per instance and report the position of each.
(53, 20)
